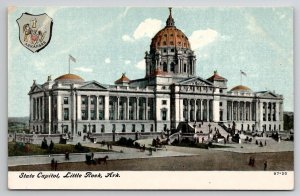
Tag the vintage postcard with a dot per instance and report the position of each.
(150, 98)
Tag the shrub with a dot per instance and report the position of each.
(78, 146)
(122, 141)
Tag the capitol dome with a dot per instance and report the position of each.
(170, 36)
(241, 88)
(72, 78)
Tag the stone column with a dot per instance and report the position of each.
(216, 110)
(188, 109)
(59, 108)
(106, 107)
(137, 108)
(97, 107)
(277, 112)
(89, 107)
(78, 107)
(117, 108)
(50, 113)
(127, 109)
(195, 110)
(208, 119)
(146, 109)
(201, 109)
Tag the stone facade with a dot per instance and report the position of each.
(169, 93)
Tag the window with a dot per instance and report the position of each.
(143, 128)
(165, 50)
(83, 100)
(84, 115)
(66, 113)
(164, 43)
(172, 67)
(172, 43)
(151, 128)
(164, 115)
(221, 103)
(94, 128)
(221, 91)
(66, 100)
(184, 67)
(165, 67)
(100, 100)
(65, 128)
(172, 50)
(133, 128)
(113, 127)
(123, 128)
(102, 128)
(101, 114)
(164, 102)
(84, 129)
(93, 115)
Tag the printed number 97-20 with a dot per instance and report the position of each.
(280, 173)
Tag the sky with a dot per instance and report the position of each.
(107, 42)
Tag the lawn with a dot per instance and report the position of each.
(20, 149)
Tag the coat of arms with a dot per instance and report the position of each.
(35, 31)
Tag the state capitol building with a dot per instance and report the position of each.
(170, 97)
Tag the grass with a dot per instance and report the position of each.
(20, 149)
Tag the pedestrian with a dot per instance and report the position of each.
(253, 162)
(55, 166)
(256, 142)
(265, 142)
(92, 155)
(52, 163)
(265, 165)
(250, 161)
(260, 144)
(202, 140)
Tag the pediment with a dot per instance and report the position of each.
(93, 85)
(267, 94)
(35, 89)
(196, 82)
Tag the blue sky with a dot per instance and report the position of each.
(109, 41)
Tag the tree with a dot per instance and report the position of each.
(44, 144)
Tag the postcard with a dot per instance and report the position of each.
(169, 98)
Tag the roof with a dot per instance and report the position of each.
(70, 77)
(170, 36)
(240, 88)
(123, 79)
(216, 77)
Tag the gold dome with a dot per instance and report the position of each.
(240, 88)
(70, 77)
(170, 36)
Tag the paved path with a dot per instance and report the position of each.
(127, 153)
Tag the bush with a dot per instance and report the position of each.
(122, 141)
(78, 146)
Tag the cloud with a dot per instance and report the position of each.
(201, 38)
(147, 28)
(83, 69)
(127, 62)
(253, 27)
(141, 65)
(127, 38)
(107, 60)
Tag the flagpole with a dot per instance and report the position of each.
(69, 64)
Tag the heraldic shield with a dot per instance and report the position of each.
(35, 31)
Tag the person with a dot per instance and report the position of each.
(202, 140)
(253, 162)
(52, 163)
(265, 165)
(92, 155)
(260, 144)
(55, 166)
(67, 156)
(250, 161)
(256, 142)
(265, 142)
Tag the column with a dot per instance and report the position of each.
(89, 107)
(127, 109)
(97, 107)
(277, 112)
(106, 107)
(78, 107)
(31, 108)
(146, 109)
(59, 108)
(245, 108)
(216, 110)
(195, 110)
(231, 116)
(188, 109)
(50, 113)
(137, 108)
(117, 108)
(201, 109)
(207, 103)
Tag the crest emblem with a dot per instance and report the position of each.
(35, 31)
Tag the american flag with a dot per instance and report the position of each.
(243, 73)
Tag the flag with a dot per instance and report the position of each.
(72, 58)
(243, 73)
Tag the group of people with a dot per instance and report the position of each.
(252, 163)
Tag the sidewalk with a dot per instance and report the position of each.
(127, 153)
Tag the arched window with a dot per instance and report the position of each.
(123, 128)
(172, 67)
(184, 67)
(165, 67)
